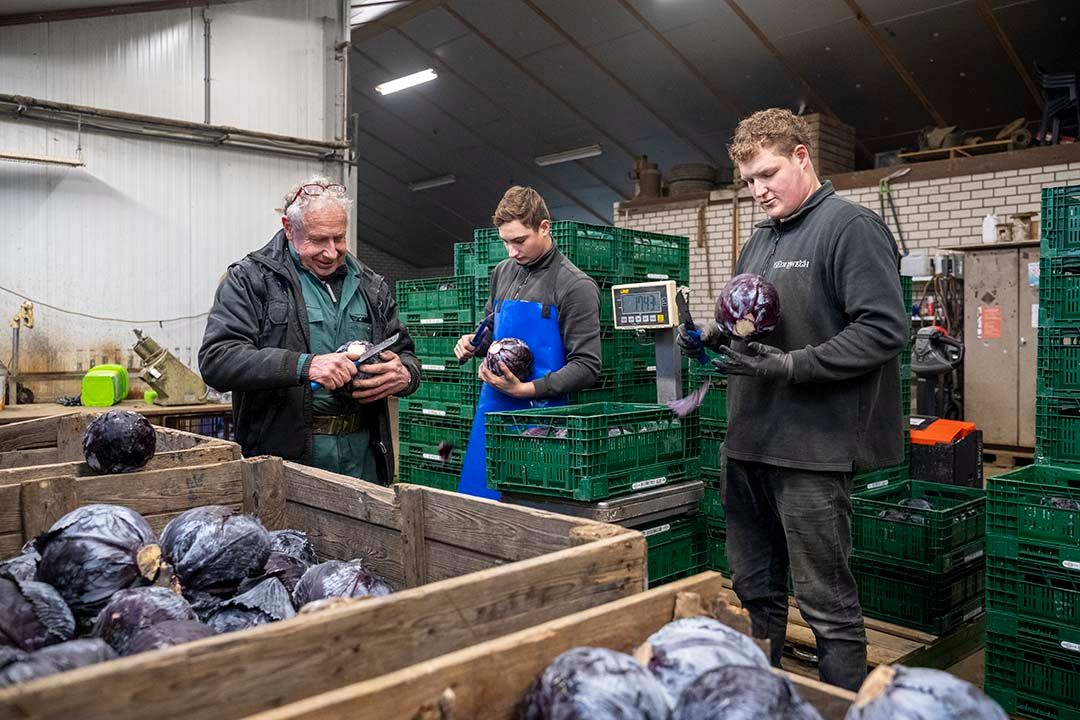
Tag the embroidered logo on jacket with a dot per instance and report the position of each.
(789, 264)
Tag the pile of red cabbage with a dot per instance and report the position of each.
(748, 307)
(99, 585)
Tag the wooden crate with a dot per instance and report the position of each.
(466, 571)
(832, 145)
(488, 680)
(58, 439)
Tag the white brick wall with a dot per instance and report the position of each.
(938, 213)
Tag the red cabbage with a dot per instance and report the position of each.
(587, 683)
(167, 634)
(119, 441)
(130, 611)
(56, 659)
(515, 354)
(285, 568)
(748, 307)
(214, 548)
(94, 551)
(896, 691)
(295, 544)
(32, 615)
(338, 579)
(741, 692)
(266, 602)
(22, 567)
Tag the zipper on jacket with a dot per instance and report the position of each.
(330, 290)
(772, 252)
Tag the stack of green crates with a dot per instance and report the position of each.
(1033, 513)
(916, 567)
(437, 312)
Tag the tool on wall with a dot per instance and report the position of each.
(24, 317)
(885, 196)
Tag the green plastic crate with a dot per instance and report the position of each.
(1035, 504)
(712, 501)
(1018, 704)
(716, 550)
(421, 435)
(652, 256)
(712, 447)
(1059, 291)
(1060, 220)
(1058, 645)
(426, 475)
(713, 410)
(603, 391)
(431, 318)
(906, 287)
(413, 406)
(882, 477)
(937, 540)
(1059, 362)
(465, 259)
(592, 248)
(586, 452)
(1057, 430)
(429, 296)
(1033, 590)
(676, 549)
(1030, 679)
(449, 386)
(435, 346)
(926, 601)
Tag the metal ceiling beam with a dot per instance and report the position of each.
(513, 160)
(393, 19)
(987, 14)
(508, 109)
(641, 100)
(887, 52)
(816, 98)
(601, 133)
(105, 11)
(717, 92)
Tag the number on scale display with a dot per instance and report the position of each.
(642, 302)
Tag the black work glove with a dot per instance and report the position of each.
(691, 342)
(761, 361)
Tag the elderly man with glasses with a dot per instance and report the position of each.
(275, 337)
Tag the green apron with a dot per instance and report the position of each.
(332, 324)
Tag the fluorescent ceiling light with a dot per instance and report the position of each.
(407, 82)
(568, 155)
(432, 183)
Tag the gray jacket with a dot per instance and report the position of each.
(255, 336)
(842, 318)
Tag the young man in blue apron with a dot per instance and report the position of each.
(541, 298)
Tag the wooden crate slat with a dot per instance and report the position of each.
(10, 545)
(46, 501)
(10, 510)
(155, 492)
(339, 494)
(22, 458)
(341, 537)
(210, 453)
(28, 435)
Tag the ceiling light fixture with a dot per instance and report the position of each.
(432, 183)
(569, 155)
(392, 86)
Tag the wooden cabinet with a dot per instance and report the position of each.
(1001, 315)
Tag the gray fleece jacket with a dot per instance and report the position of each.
(842, 318)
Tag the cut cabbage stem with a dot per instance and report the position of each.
(149, 561)
(874, 685)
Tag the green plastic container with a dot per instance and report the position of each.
(104, 385)
(713, 410)
(411, 407)
(1038, 659)
(434, 294)
(1034, 505)
(653, 256)
(1042, 592)
(1060, 220)
(927, 601)
(676, 549)
(1059, 291)
(1059, 362)
(938, 540)
(1057, 430)
(429, 476)
(882, 477)
(594, 249)
(716, 550)
(712, 502)
(587, 452)
(435, 347)
(465, 259)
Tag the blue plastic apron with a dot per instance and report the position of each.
(538, 326)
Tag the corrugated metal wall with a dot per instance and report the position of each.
(148, 227)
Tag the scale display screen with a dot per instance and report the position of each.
(643, 302)
(644, 305)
